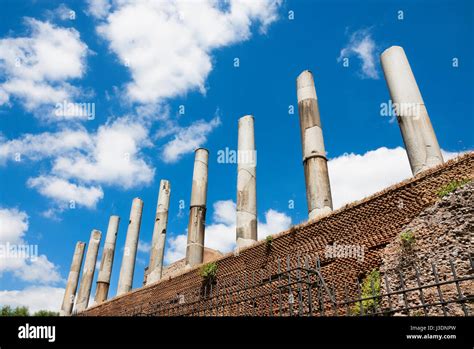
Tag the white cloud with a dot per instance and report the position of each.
(63, 191)
(143, 246)
(355, 176)
(34, 297)
(36, 69)
(39, 270)
(167, 45)
(14, 224)
(220, 235)
(43, 145)
(176, 248)
(81, 162)
(27, 267)
(98, 8)
(115, 158)
(64, 13)
(363, 46)
(188, 139)
(275, 222)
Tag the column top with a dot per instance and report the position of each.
(391, 49)
(305, 86)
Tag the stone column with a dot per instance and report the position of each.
(418, 135)
(88, 272)
(246, 229)
(105, 271)
(318, 189)
(130, 251)
(72, 279)
(155, 266)
(197, 215)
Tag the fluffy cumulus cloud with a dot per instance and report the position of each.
(82, 162)
(18, 257)
(38, 69)
(43, 145)
(167, 45)
(356, 176)
(63, 191)
(114, 159)
(220, 235)
(187, 139)
(14, 225)
(364, 48)
(34, 297)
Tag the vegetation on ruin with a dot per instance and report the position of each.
(7, 310)
(269, 241)
(370, 288)
(209, 271)
(408, 238)
(450, 187)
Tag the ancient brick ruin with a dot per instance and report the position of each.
(375, 223)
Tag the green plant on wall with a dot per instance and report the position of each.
(408, 238)
(209, 271)
(450, 187)
(269, 241)
(370, 288)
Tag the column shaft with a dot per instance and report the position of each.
(106, 263)
(88, 271)
(155, 267)
(318, 189)
(130, 250)
(418, 135)
(246, 229)
(197, 215)
(73, 279)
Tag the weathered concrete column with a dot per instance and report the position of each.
(197, 215)
(155, 266)
(130, 251)
(72, 279)
(105, 271)
(246, 230)
(318, 189)
(418, 135)
(88, 272)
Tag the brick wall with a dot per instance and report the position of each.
(371, 223)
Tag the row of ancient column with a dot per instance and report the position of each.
(420, 142)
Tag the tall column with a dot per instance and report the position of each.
(246, 229)
(88, 272)
(72, 279)
(318, 189)
(418, 135)
(197, 215)
(130, 250)
(105, 271)
(155, 266)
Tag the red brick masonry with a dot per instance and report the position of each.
(371, 223)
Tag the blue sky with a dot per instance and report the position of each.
(140, 63)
